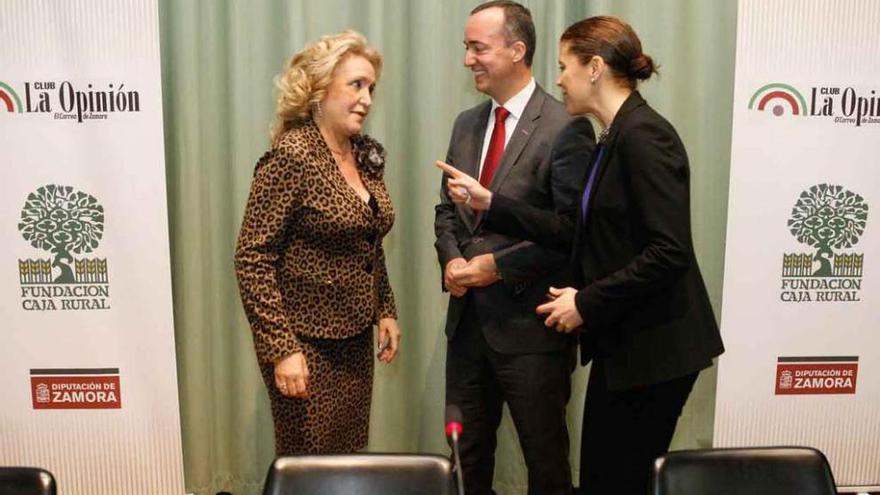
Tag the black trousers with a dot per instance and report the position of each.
(625, 430)
(536, 388)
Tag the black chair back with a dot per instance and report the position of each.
(26, 481)
(744, 471)
(361, 474)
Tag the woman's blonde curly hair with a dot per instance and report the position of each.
(304, 82)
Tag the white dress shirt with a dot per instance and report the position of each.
(516, 106)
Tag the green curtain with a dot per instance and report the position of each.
(219, 58)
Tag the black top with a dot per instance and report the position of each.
(641, 295)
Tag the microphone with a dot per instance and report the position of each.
(453, 422)
(453, 430)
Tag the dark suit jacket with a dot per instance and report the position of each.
(642, 298)
(531, 173)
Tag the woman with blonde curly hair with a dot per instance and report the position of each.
(309, 260)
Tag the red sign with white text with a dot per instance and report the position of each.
(76, 392)
(816, 378)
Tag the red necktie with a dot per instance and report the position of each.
(496, 147)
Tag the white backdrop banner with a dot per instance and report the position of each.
(800, 312)
(87, 361)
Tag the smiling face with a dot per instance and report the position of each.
(349, 96)
(489, 56)
(575, 80)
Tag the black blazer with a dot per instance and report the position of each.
(541, 166)
(645, 307)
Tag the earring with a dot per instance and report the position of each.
(318, 112)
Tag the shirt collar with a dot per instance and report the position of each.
(517, 104)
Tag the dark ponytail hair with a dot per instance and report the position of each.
(616, 42)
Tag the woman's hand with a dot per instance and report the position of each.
(389, 339)
(464, 189)
(561, 310)
(292, 376)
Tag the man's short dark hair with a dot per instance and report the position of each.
(518, 25)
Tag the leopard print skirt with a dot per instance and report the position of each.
(334, 419)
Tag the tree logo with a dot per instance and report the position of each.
(63, 222)
(828, 218)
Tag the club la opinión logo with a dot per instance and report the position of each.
(845, 105)
(9, 100)
(829, 219)
(63, 222)
(778, 98)
(71, 101)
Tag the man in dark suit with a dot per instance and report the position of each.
(638, 299)
(524, 144)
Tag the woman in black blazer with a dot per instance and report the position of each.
(638, 300)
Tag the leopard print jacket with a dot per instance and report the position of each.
(309, 259)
